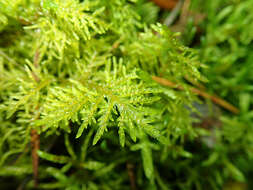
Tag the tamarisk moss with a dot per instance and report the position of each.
(80, 73)
(224, 39)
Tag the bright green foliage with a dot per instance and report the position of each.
(81, 73)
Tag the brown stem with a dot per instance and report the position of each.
(36, 59)
(214, 98)
(35, 144)
(130, 171)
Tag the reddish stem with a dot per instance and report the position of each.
(204, 94)
(35, 145)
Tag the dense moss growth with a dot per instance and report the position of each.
(103, 94)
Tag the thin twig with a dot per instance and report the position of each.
(214, 98)
(131, 175)
(36, 59)
(35, 144)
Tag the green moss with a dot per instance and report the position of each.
(80, 74)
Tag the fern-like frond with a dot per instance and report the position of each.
(121, 98)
